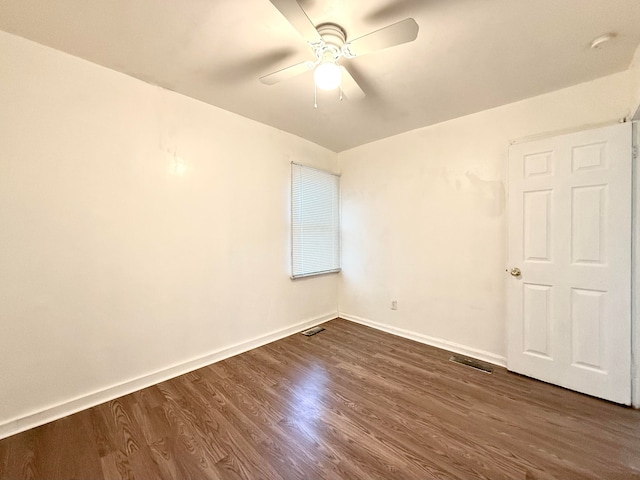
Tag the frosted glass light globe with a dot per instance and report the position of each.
(327, 76)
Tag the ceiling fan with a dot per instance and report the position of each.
(329, 44)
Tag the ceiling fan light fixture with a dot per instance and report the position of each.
(327, 75)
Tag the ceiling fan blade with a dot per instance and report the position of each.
(402, 32)
(286, 73)
(350, 87)
(395, 9)
(293, 12)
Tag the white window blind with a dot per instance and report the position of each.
(315, 221)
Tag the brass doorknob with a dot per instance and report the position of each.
(515, 271)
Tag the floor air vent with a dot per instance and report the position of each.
(470, 363)
(312, 331)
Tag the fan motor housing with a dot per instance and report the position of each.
(332, 34)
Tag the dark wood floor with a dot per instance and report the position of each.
(348, 403)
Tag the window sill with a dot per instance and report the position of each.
(315, 274)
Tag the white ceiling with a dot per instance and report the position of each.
(470, 55)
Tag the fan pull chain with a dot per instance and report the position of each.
(315, 95)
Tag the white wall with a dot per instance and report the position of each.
(424, 218)
(114, 264)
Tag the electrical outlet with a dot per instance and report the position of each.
(394, 304)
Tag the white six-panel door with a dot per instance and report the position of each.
(568, 312)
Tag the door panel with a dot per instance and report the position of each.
(588, 227)
(569, 319)
(587, 327)
(537, 225)
(537, 310)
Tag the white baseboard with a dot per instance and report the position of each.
(433, 341)
(92, 399)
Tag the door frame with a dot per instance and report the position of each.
(635, 267)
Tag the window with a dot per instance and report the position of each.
(315, 221)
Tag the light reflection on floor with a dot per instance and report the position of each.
(308, 403)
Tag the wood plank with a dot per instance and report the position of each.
(349, 403)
